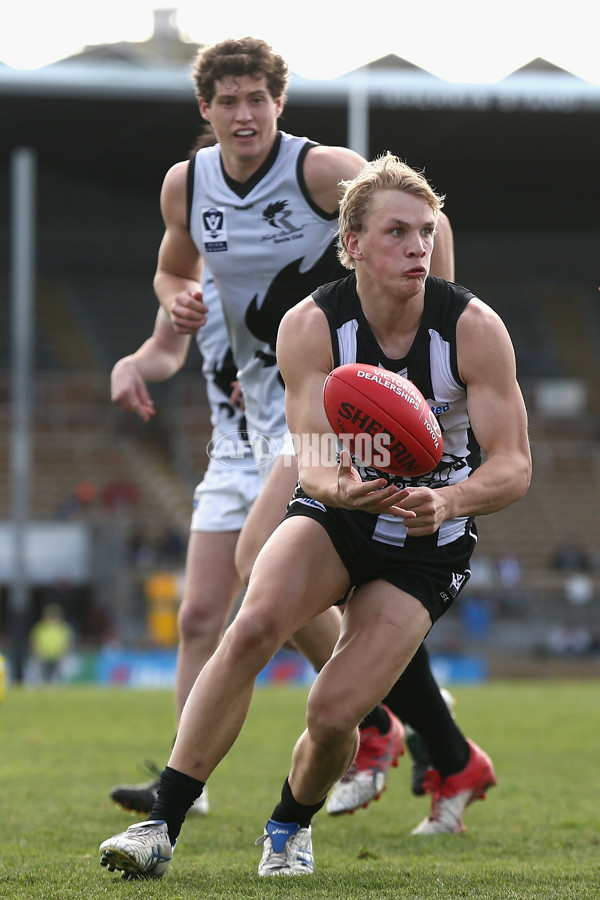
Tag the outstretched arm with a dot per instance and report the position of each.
(157, 359)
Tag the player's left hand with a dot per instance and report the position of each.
(428, 508)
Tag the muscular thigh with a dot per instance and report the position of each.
(297, 575)
(382, 627)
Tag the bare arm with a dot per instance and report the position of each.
(499, 420)
(304, 372)
(324, 168)
(177, 281)
(442, 258)
(497, 411)
(157, 359)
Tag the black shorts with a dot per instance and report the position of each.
(433, 574)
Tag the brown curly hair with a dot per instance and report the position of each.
(246, 56)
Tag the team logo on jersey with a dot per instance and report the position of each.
(214, 232)
(283, 229)
(278, 216)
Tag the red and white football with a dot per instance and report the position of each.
(383, 419)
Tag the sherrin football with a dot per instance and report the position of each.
(385, 419)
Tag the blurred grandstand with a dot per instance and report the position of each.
(517, 162)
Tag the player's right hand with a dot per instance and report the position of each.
(188, 312)
(369, 496)
(128, 390)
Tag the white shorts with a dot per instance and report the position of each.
(223, 498)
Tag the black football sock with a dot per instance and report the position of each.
(289, 810)
(417, 701)
(176, 793)
(378, 718)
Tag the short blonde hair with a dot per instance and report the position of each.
(387, 172)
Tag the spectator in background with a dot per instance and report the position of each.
(570, 640)
(569, 556)
(482, 573)
(509, 571)
(51, 639)
(78, 501)
(579, 589)
(120, 495)
(512, 599)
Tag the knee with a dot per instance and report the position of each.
(330, 723)
(253, 635)
(197, 623)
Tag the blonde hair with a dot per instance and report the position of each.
(386, 172)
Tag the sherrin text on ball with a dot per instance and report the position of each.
(383, 418)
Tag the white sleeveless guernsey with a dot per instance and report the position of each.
(267, 246)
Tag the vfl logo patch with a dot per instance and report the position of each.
(214, 232)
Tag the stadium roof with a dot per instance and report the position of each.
(159, 68)
(121, 114)
(538, 86)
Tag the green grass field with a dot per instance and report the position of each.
(537, 835)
